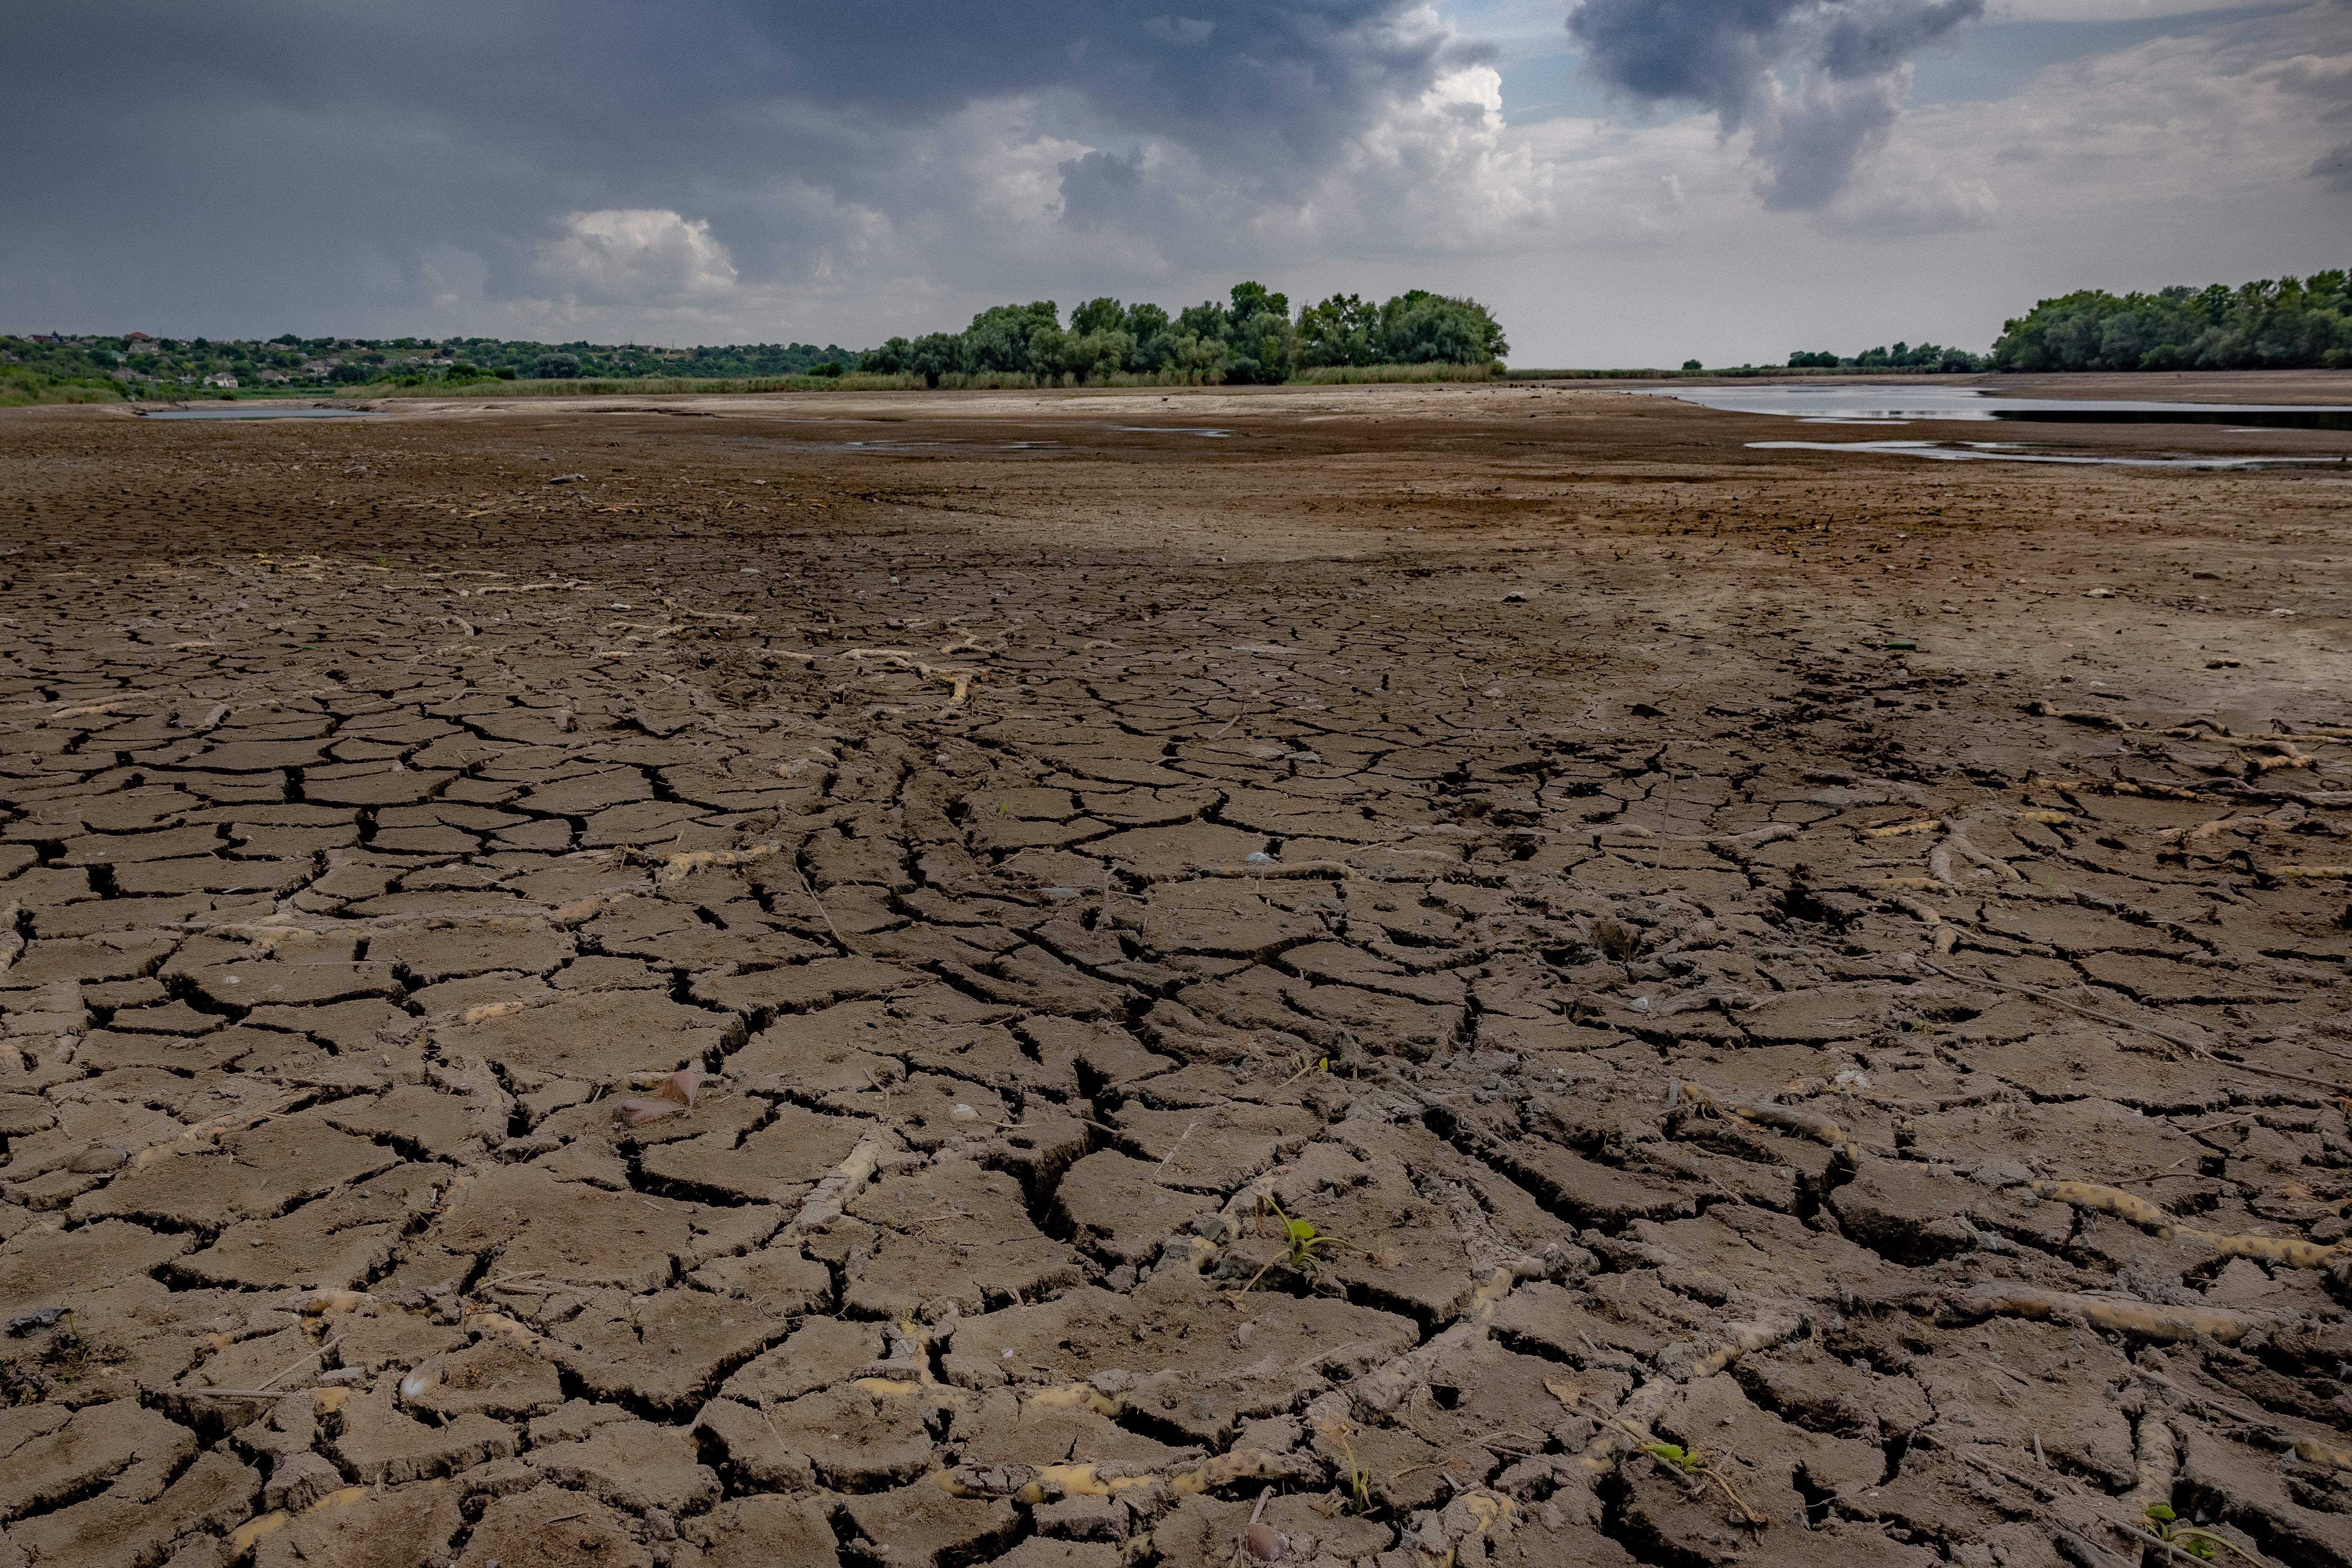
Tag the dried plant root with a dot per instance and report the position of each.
(1037, 1483)
(678, 1092)
(1895, 829)
(2148, 788)
(2288, 758)
(1337, 871)
(1993, 863)
(1753, 838)
(2096, 720)
(823, 1205)
(1385, 1386)
(2185, 836)
(2313, 873)
(1688, 1359)
(1811, 1124)
(210, 1131)
(958, 677)
(2143, 1320)
(2107, 1200)
(2290, 1251)
(2312, 1452)
(2158, 1458)
(686, 862)
(957, 680)
(1627, 1428)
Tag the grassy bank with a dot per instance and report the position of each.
(22, 388)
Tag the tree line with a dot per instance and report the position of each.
(1902, 356)
(2286, 323)
(1252, 337)
(121, 365)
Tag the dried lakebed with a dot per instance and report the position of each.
(772, 1005)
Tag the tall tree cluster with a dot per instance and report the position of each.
(1252, 337)
(2287, 323)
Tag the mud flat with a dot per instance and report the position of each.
(1801, 994)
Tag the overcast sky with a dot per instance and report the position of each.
(1625, 182)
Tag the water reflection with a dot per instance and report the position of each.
(2004, 451)
(1865, 405)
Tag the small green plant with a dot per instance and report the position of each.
(1692, 1463)
(384, 560)
(2166, 1526)
(1360, 1479)
(69, 1357)
(1302, 1063)
(1301, 1254)
(1002, 809)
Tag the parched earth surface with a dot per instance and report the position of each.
(1408, 976)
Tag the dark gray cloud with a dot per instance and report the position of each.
(265, 162)
(2334, 166)
(1815, 83)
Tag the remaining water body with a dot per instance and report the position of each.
(234, 411)
(2006, 452)
(1901, 404)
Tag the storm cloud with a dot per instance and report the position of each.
(564, 155)
(1816, 84)
(773, 170)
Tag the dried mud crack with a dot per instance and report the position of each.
(1462, 975)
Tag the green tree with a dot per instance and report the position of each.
(1340, 331)
(2285, 324)
(998, 338)
(1102, 315)
(1418, 327)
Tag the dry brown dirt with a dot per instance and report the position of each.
(1828, 967)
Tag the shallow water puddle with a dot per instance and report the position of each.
(2003, 451)
(1864, 405)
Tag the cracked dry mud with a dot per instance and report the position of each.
(1486, 825)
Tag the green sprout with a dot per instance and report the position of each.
(1301, 1241)
(2164, 1524)
(1692, 1462)
(1360, 1479)
(1002, 809)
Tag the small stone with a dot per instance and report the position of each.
(1267, 1544)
